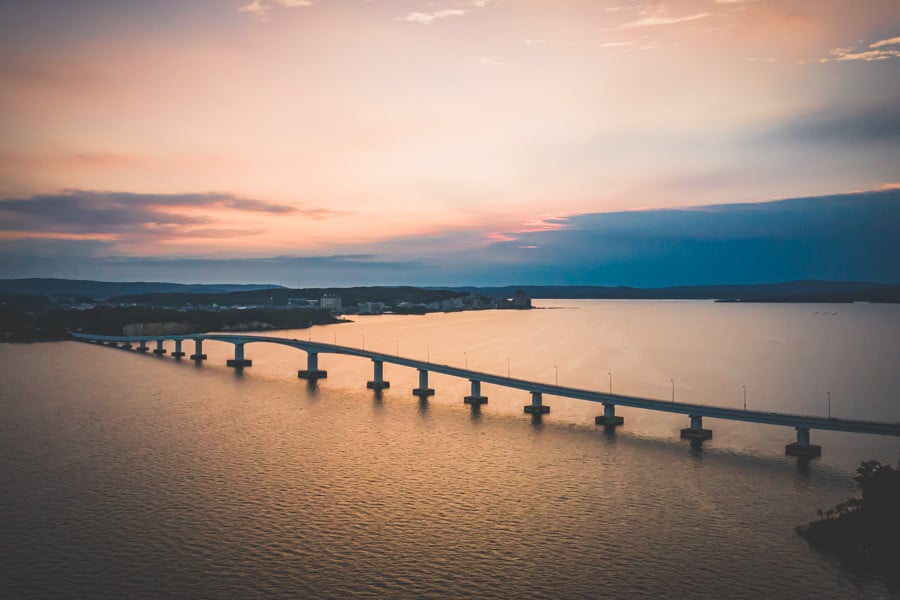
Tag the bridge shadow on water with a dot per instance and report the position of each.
(803, 468)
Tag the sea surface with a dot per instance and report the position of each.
(125, 475)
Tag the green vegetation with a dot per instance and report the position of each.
(25, 317)
(17, 324)
(349, 296)
(865, 532)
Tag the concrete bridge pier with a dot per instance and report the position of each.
(696, 431)
(378, 383)
(802, 447)
(159, 350)
(142, 347)
(178, 353)
(312, 371)
(198, 351)
(609, 418)
(423, 390)
(127, 346)
(537, 405)
(476, 399)
(239, 360)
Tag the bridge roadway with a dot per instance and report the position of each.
(802, 423)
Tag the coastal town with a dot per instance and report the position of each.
(51, 316)
(334, 304)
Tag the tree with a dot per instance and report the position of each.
(864, 531)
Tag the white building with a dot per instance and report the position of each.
(371, 308)
(331, 302)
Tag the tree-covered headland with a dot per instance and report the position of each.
(864, 532)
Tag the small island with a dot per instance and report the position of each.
(864, 532)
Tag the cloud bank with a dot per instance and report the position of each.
(851, 237)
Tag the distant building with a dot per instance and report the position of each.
(474, 302)
(452, 304)
(371, 308)
(331, 302)
(303, 303)
(522, 300)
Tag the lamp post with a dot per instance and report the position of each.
(829, 403)
(744, 387)
(610, 382)
(556, 370)
(673, 389)
(466, 354)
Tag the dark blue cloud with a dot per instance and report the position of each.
(847, 237)
(91, 260)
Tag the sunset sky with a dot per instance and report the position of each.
(449, 142)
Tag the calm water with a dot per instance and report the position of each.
(124, 475)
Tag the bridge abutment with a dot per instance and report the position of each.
(312, 371)
(537, 406)
(696, 431)
(475, 399)
(802, 447)
(609, 418)
(239, 360)
(378, 382)
(423, 389)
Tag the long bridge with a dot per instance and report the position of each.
(801, 423)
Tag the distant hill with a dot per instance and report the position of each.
(102, 290)
(177, 294)
(792, 291)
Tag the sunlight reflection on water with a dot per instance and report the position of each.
(130, 475)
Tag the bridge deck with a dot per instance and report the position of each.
(734, 414)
